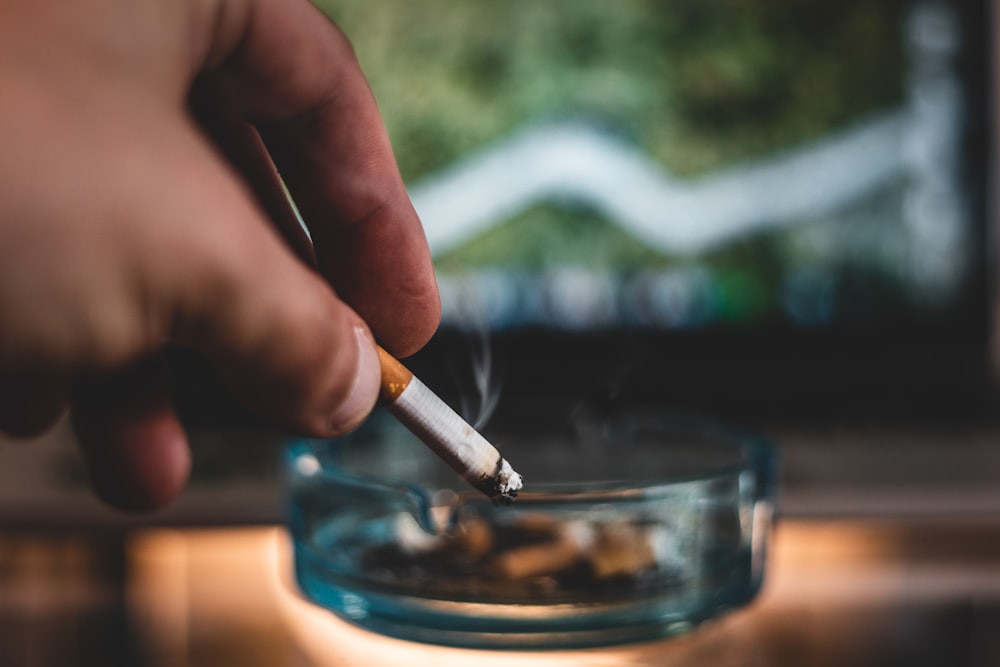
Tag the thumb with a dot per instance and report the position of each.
(278, 335)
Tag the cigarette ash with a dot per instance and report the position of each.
(503, 486)
(528, 556)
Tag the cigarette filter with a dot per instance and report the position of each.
(447, 434)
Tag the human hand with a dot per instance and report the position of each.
(139, 204)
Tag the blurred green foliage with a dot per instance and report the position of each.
(698, 83)
(548, 235)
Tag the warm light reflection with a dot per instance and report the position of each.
(190, 585)
(833, 589)
(205, 597)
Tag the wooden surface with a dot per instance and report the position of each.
(838, 594)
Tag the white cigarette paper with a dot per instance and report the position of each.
(446, 433)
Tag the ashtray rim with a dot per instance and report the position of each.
(757, 454)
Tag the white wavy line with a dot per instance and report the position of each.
(572, 161)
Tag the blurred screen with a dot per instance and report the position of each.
(689, 164)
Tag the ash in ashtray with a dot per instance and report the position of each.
(528, 555)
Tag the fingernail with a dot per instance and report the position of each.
(364, 391)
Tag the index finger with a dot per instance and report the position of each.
(296, 77)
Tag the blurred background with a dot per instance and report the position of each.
(774, 213)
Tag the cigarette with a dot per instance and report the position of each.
(448, 435)
(625, 549)
(570, 544)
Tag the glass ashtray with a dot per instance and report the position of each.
(640, 528)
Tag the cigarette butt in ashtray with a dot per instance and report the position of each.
(570, 544)
(445, 432)
(609, 549)
(625, 549)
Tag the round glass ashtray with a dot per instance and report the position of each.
(639, 529)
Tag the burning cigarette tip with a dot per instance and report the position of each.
(506, 484)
